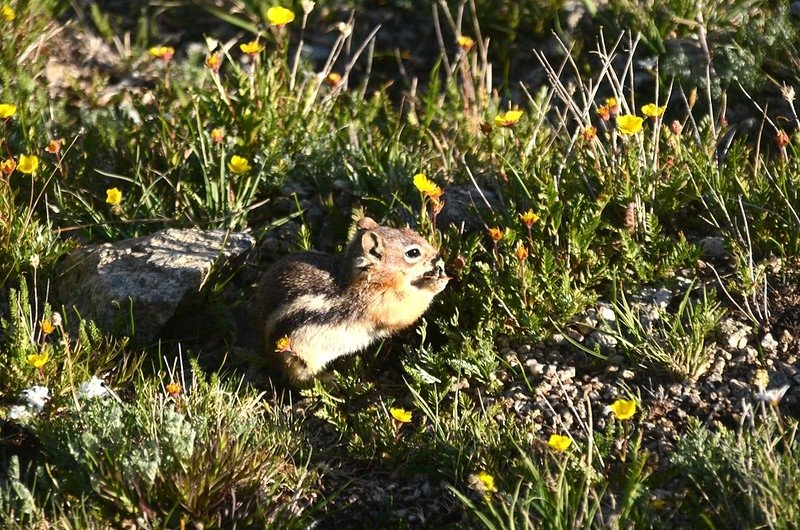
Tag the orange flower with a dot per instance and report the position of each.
(7, 166)
(589, 134)
(333, 79)
(522, 253)
(213, 61)
(47, 327)
(217, 135)
(612, 104)
(173, 389)
(782, 138)
(603, 112)
(496, 234)
(54, 147)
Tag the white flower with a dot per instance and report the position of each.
(36, 397)
(93, 388)
(18, 412)
(308, 6)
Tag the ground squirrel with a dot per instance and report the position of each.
(312, 307)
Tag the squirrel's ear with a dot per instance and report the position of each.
(372, 245)
(366, 223)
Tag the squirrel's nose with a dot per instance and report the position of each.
(438, 266)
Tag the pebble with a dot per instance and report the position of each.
(769, 344)
(606, 312)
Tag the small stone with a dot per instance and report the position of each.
(714, 247)
(769, 344)
(534, 367)
(568, 373)
(575, 335)
(606, 312)
(628, 374)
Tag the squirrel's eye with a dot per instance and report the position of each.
(413, 253)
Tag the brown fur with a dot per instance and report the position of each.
(334, 305)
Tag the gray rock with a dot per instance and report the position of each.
(606, 312)
(714, 247)
(769, 343)
(466, 207)
(148, 277)
(604, 340)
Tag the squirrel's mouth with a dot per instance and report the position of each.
(435, 278)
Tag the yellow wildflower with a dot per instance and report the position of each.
(283, 344)
(508, 119)
(529, 218)
(466, 43)
(113, 196)
(47, 327)
(603, 112)
(37, 360)
(239, 164)
(589, 134)
(7, 110)
(279, 16)
(426, 186)
(559, 443)
(521, 252)
(612, 104)
(496, 234)
(213, 61)
(173, 389)
(623, 409)
(217, 135)
(7, 13)
(629, 124)
(252, 48)
(651, 110)
(487, 482)
(400, 415)
(164, 53)
(28, 163)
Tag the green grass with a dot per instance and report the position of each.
(613, 213)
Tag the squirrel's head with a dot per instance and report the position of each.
(400, 257)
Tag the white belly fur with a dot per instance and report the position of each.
(317, 345)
